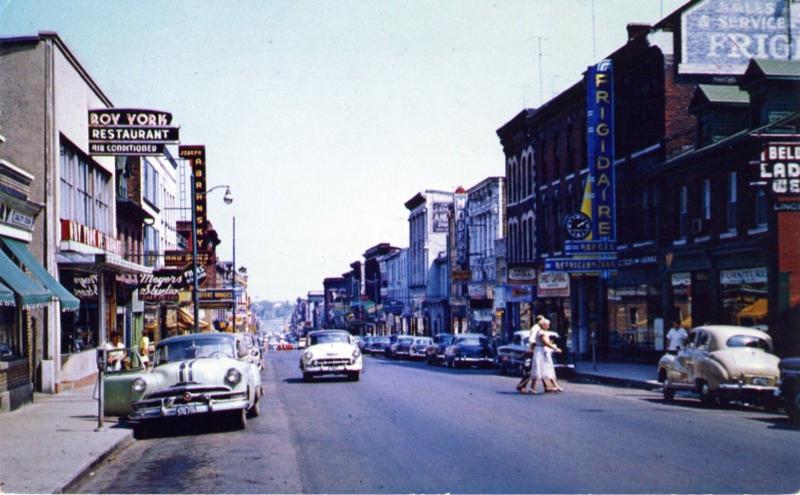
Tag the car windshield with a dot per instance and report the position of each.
(202, 347)
(749, 341)
(381, 340)
(471, 341)
(329, 338)
(405, 340)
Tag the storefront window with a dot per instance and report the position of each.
(10, 345)
(682, 298)
(632, 311)
(744, 297)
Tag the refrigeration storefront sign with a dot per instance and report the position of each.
(460, 208)
(721, 36)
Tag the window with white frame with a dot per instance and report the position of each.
(731, 202)
(86, 190)
(707, 199)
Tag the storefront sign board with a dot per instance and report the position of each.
(600, 150)
(553, 284)
(440, 216)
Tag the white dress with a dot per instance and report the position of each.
(539, 356)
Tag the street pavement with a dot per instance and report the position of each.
(45, 446)
(410, 428)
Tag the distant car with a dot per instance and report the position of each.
(511, 357)
(723, 363)
(302, 342)
(6, 353)
(197, 374)
(402, 348)
(469, 349)
(389, 349)
(331, 352)
(790, 387)
(254, 353)
(419, 347)
(377, 345)
(364, 341)
(435, 352)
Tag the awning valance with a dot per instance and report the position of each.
(30, 292)
(68, 301)
(6, 296)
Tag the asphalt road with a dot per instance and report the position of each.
(411, 428)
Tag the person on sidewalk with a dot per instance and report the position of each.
(676, 337)
(548, 368)
(144, 351)
(530, 373)
(114, 359)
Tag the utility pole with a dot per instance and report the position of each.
(235, 296)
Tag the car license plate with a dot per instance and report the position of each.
(761, 380)
(185, 410)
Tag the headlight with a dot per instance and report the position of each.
(233, 376)
(308, 355)
(356, 352)
(139, 385)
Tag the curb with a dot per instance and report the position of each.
(617, 382)
(118, 446)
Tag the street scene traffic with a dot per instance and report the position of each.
(400, 247)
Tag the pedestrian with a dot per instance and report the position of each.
(548, 368)
(144, 351)
(114, 359)
(530, 370)
(677, 337)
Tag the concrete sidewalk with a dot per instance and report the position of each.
(634, 375)
(47, 445)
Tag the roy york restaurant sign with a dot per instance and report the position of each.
(130, 131)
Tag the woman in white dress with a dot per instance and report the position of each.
(548, 347)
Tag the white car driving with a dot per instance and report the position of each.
(330, 352)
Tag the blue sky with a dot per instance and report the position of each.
(326, 116)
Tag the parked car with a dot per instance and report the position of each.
(302, 342)
(512, 356)
(790, 387)
(402, 348)
(6, 353)
(377, 345)
(723, 363)
(254, 353)
(331, 352)
(419, 347)
(470, 349)
(208, 373)
(435, 352)
(389, 349)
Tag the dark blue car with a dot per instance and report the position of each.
(435, 352)
(471, 349)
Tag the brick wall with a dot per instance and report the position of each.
(679, 124)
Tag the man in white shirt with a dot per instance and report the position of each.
(676, 337)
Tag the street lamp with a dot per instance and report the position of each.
(228, 198)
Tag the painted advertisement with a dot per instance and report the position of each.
(439, 217)
(721, 36)
(779, 169)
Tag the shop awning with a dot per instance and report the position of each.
(6, 296)
(757, 310)
(30, 292)
(68, 301)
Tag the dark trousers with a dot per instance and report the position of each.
(526, 374)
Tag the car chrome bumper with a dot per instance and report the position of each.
(169, 408)
(321, 370)
(751, 391)
(465, 359)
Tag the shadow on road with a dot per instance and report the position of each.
(169, 427)
(318, 379)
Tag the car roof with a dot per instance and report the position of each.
(332, 330)
(194, 336)
(470, 335)
(727, 331)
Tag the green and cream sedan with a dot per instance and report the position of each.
(331, 352)
(198, 374)
(723, 363)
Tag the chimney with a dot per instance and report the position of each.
(636, 29)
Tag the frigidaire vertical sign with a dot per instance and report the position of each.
(600, 141)
(196, 155)
(130, 131)
(721, 36)
(460, 210)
